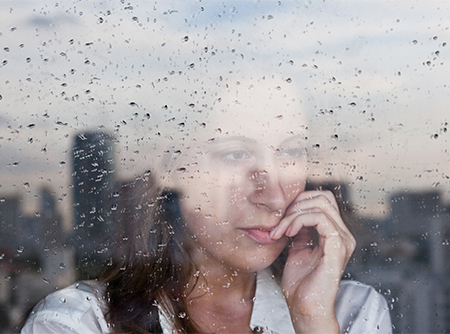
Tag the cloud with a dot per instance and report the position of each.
(375, 64)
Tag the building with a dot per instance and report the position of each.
(405, 257)
(94, 181)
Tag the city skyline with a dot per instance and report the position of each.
(412, 239)
(381, 69)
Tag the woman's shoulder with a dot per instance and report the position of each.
(78, 308)
(361, 309)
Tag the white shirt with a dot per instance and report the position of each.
(80, 309)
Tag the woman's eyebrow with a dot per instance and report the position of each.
(219, 140)
(298, 137)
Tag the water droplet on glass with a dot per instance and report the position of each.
(181, 170)
(7, 278)
(46, 280)
(62, 300)
(185, 38)
(20, 249)
(182, 315)
(191, 65)
(62, 265)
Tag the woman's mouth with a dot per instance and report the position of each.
(258, 235)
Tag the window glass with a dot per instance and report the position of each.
(87, 104)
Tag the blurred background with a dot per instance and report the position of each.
(79, 109)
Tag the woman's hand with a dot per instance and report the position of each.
(320, 249)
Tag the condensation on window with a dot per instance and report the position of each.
(87, 92)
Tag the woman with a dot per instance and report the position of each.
(224, 237)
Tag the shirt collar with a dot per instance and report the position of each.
(270, 311)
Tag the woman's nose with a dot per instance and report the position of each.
(268, 190)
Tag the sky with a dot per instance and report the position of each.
(376, 70)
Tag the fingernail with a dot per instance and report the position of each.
(273, 231)
(288, 231)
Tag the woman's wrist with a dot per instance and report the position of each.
(326, 322)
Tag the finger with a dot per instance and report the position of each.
(307, 237)
(307, 195)
(331, 236)
(334, 243)
(319, 220)
(324, 200)
(319, 200)
(283, 225)
(286, 225)
(305, 259)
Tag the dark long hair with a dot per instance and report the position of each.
(151, 266)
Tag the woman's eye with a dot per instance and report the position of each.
(292, 152)
(236, 155)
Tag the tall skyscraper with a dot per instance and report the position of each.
(9, 217)
(94, 182)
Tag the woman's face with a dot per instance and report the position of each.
(237, 182)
